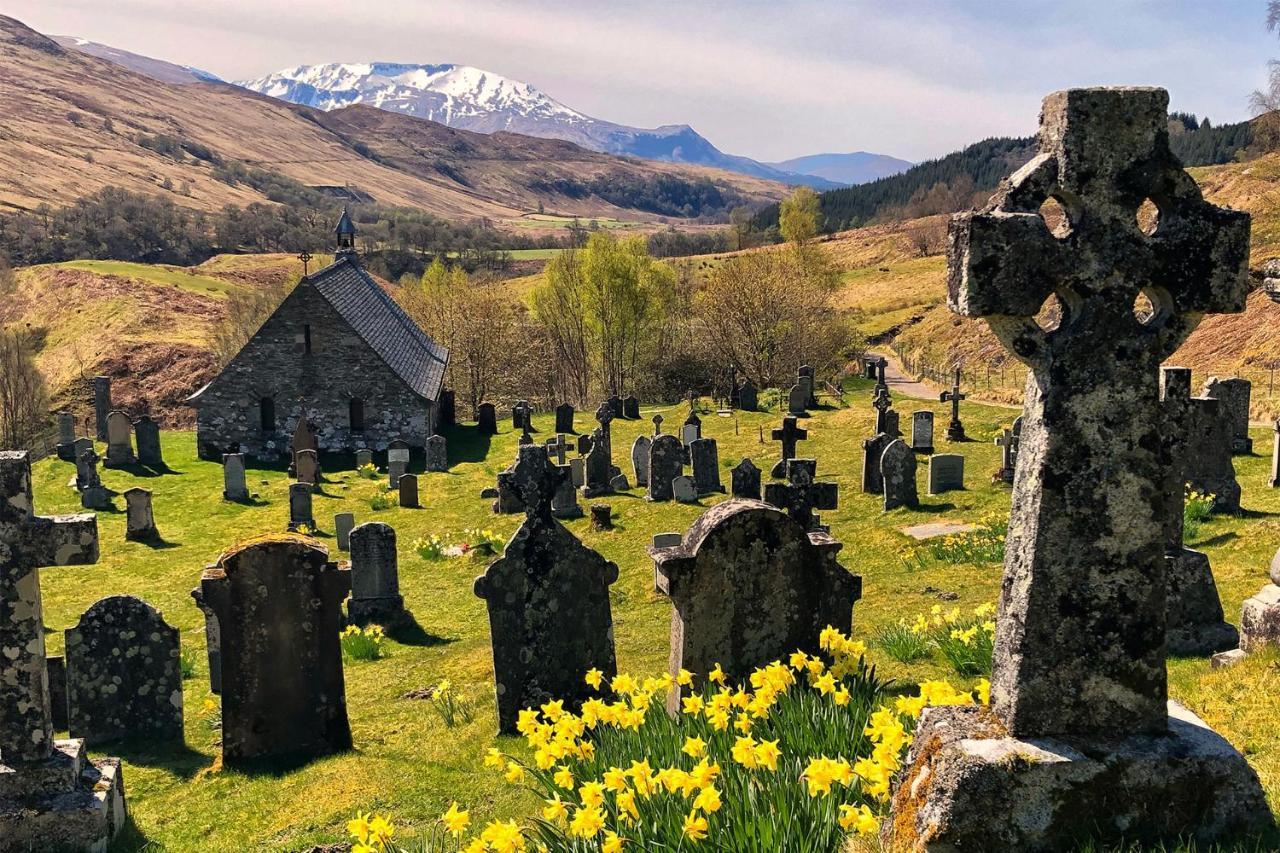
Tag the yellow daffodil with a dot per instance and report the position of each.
(694, 747)
(586, 822)
(456, 820)
(612, 843)
(563, 778)
(708, 800)
(695, 827)
(594, 678)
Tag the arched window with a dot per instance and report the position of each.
(355, 412)
(267, 414)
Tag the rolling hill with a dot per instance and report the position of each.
(76, 123)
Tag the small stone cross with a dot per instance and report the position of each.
(557, 447)
(955, 429)
(789, 434)
(800, 495)
(305, 257)
(1006, 442)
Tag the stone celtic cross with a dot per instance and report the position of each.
(1080, 643)
(657, 424)
(305, 257)
(28, 542)
(955, 429)
(882, 402)
(535, 479)
(605, 416)
(800, 495)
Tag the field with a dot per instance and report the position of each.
(407, 763)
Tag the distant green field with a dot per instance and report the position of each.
(534, 254)
(163, 276)
(546, 220)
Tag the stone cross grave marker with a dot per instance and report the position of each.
(486, 419)
(789, 434)
(745, 480)
(300, 514)
(882, 402)
(343, 523)
(234, 485)
(946, 473)
(640, 460)
(882, 383)
(955, 429)
(124, 675)
(598, 466)
(704, 460)
(801, 494)
(922, 432)
(147, 434)
(1080, 636)
(657, 424)
(748, 586)
(548, 602)
(666, 462)
(282, 689)
(1005, 441)
(564, 418)
(898, 470)
(437, 454)
(119, 441)
(140, 520)
(604, 434)
(408, 488)
(557, 448)
(375, 576)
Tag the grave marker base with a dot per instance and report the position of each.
(1196, 626)
(64, 802)
(966, 785)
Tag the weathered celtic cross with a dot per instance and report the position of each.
(305, 257)
(657, 424)
(605, 415)
(535, 479)
(28, 542)
(800, 495)
(955, 429)
(882, 402)
(1080, 643)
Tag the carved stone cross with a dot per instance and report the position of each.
(657, 424)
(1080, 642)
(882, 402)
(605, 415)
(305, 257)
(800, 495)
(1005, 441)
(557, 447)
(789, 434)
(535, 479)
(524, 414)
(28, 542)
(955, 429)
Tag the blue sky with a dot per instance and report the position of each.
(913, 78)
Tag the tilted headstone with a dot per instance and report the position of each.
(704, 460)
(955, 429)
(437, 453)
(124, 673)
(343, 523)
(564, 418)
(745, 480)
(307, 467)
(872, 450)
(666, 462)
(212, 641)
(66, 448)
(898, 470)
(1079, 688)
(548, 602)
(946, 473)
(802, 494)
(922, 432)
(101, 405)
(640, 460)
(119, 441)
(684, 490)
(486, 419)
(300, 514)
(620, 483)
(631, 408)
(140, 520)
(364, 456)
(147, 435)
(408, 491)
(749, 586)
(1234, 394)
(282, 689)
(788, 434)
(748, 396)
(375, 576)
(234, 485)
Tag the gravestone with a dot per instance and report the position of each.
(666, 462)
(520, 414)
(802, 494)
(564, 418)
(508, 501)
(234, 485)
(140, 521)
(584, 444)
(408, 488)
(922, 432)
(557, 449)
(631, 407)
(872, 450)
(789, 434)
(704, 460)
(1079, 688)
(307, 468)
(548, 603)
(578, 472)
(147, 434)
(343, 523)
(598, 467)
(749, 586)
(1206, 463)
(101, 405)
(278, 605)
(640, 460)
(1260, 615)
(955, 429)
(124, 674)
(397, 466)
(93, 495)
(798, 400)
(300, 507)
(745, 480)
(303, 438)
(882, 384)
(619, 483)
(119, 441)
(898, 470)
(375, 576)
(882, 402)
(1006, 442)
(748, 396)
(805, 376)
(604, 433)
(601, 517)
(57, 667)
(486, 419)
(1234, 394)
(692, 429)
(66, 447)
(212, 641)
(65, 800)
(448, 405)
(657, 424)
(437, 452)
(364, 457)
(615, 406)
(564, 503)
(684, 490)
(946, 473)
(869, 367)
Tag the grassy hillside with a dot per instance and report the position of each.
(407, 762)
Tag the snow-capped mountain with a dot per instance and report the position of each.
(157, 69)
(474, 99)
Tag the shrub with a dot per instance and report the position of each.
(430, 549)
(363, 643)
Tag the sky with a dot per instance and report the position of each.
(769, 80)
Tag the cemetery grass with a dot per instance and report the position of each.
(407, 763)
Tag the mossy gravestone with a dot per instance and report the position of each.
(548, 601)
(1079, 739)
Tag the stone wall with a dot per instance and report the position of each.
(319, 384)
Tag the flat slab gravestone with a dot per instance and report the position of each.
(548, 601)
(375, 576)
(934, 529)
(946, 473)
(124, 673)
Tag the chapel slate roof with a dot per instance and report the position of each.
(383, 325)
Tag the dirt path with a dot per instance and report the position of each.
(901, 383)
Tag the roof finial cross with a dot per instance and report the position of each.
(305, 257)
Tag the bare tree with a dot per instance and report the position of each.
(247, 310)
(24, 400)
(1269, 101)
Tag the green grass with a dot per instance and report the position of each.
(407, 761)
(533, 254)
(161, 276)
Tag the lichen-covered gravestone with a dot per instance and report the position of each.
(745, 480)
(66, 447)
(147, 434)
(437, 453)
(1205, 449)
(640, 460)
(212, 641)
(872, 450)
(922, 432)
(119, 441)
(548, 601)
(898, 470)
(234, 487)
(307, 466)
(375, 576)
(140, 520)
(704, 460)
(1234, 393)
(1260, 615)
(279, 609)
(666, 462)
(789, 434)
(749, 585)
(124, 674)
(684, 490)
(802, 494)
(55, 796)
(1080, 738)
(598, 468)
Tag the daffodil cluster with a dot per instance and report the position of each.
(367, 643)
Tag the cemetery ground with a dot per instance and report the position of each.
(407, 763)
